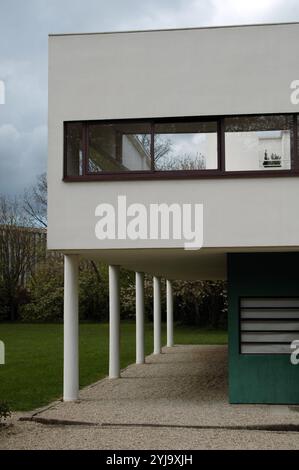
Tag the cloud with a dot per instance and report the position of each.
(25, 94)
(254, 11)
(22, 157)
(24, 29)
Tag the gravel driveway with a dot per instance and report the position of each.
(177, 400)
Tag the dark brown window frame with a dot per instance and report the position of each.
(180, 174)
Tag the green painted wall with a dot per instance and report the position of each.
(260, 378)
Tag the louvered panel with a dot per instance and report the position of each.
(268, 325)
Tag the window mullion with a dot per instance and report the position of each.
(85, 148)
(221, 145)
(294, 159)
(152, 149)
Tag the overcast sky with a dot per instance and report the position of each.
(24, 29)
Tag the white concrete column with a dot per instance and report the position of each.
(114, 323)
(157, 315)
(71, 329)
(139, 318)
(169, 303)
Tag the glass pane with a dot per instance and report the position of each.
(119, 147)
(258, 143)
(74, 153)
(185, 146)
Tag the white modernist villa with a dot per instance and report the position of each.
(193, 116)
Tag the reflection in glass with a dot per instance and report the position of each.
(118, 147)
(74, 152)
(258, 142)
(185, 146)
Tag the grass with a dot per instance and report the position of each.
(32, 375)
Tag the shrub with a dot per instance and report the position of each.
(4, 411)
(46, 292)
(93, 291)
(201, 303)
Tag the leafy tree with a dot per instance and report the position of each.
(46, 291)
(202, 303)
(93, 291)
(45, 288)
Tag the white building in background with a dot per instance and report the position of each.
(191, 116)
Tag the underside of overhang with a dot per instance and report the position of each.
(204, 264)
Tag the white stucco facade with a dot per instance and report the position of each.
(175, 73)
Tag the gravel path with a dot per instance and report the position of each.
(184, 390)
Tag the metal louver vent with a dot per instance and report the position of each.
(268, 325)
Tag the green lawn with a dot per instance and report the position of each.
(32, 375)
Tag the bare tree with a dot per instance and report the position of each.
(35, 201)
(185, 162)
(162, 145)
(21, 246)
(164, 157)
